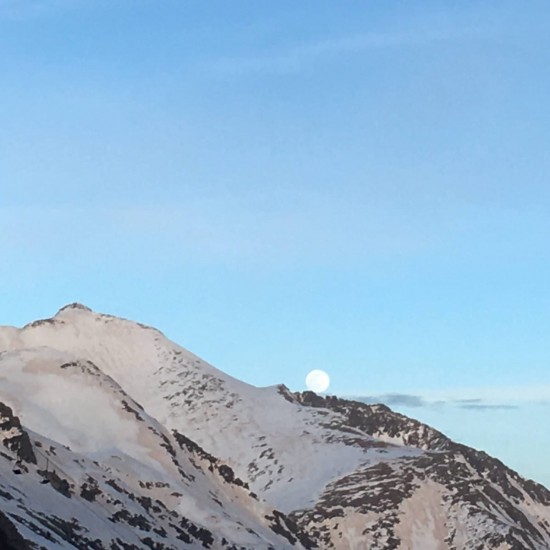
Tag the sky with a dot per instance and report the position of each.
(358, 187)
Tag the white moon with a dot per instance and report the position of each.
(317, 381)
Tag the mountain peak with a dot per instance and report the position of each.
(75, 305)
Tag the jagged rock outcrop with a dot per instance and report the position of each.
(10, 539)
(14, 437)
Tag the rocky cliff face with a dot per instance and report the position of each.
(114, 437)
(14, 437)
(461, 497)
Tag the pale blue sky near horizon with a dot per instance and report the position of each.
(356, 187)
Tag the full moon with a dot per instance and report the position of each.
(317, 381)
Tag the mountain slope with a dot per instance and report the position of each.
(466, 497)
(152, 446)
(117, 474)
(230, 419)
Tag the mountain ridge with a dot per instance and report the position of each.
(170, 452)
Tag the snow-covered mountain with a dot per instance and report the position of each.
(112, 436)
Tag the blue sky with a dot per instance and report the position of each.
(356, 187)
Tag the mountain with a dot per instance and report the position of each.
(112, 436)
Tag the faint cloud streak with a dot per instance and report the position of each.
(295, 59)
(487, 407)
(399, 399)
(493, 399)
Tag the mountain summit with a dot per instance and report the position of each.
(114, 437)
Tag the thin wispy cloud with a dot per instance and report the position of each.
(487, 399)
(398, 399)
(297, 58)
(293, 230)
(487, 407)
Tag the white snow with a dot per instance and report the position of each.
(229, 418)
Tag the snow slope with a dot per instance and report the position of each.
(228, 418)
(95, 437)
